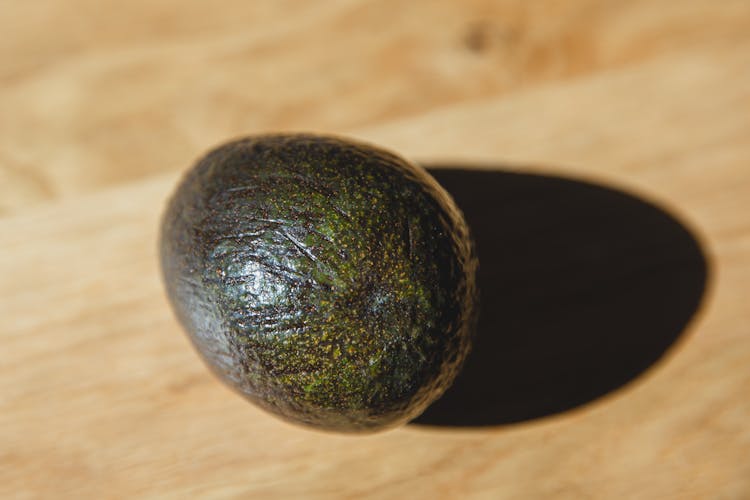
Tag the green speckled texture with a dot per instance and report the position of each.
(328, 281)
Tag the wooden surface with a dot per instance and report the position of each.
(103, 104)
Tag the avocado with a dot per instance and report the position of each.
(328, 281)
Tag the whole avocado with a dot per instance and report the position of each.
(330, 282)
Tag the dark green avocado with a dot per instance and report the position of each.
(330, 282)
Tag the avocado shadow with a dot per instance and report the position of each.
(583, 288)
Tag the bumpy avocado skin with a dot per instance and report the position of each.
(329, 282)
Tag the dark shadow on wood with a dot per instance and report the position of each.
(583, 288)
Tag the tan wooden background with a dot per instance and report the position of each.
(103, 104)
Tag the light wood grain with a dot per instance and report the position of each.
(95, 95)
(101, 395)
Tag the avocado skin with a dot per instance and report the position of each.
(328, 281)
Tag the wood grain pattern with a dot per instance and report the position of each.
(103, 105)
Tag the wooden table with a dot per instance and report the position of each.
(102, 105)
